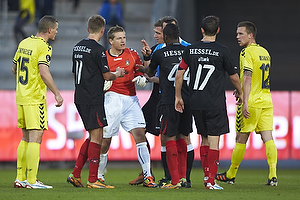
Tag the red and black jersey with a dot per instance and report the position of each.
(89, 62)
(208, 63)
(127, 60)
(168, 59)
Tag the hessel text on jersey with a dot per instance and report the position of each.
(173, 53)
(204, 52)
(82, 49)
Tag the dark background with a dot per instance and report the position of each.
(278, 24)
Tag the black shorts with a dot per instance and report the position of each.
(174, 123)
(211, 122)
(93, 116)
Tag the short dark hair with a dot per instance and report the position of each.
(46, 22)
(172, 31)
(169, 19)
(115, 29)
(158, 23)
(96, 23)
(210, 25)
(250, 27)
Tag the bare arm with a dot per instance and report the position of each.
(48, 80)
(179, 104)
(235, 80)
(14, 69)
(246, 92)
(110, 76)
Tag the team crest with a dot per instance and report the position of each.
(127, 62)
(48, 58)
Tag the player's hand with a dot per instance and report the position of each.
(146, 50)
(245, 110)
(179, 104)
(141, 68)
(59, 100)
(121, 71)
(140, 80)
(238, 97)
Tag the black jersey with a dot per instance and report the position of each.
(168, 59)
(208, 63)
(89, 62)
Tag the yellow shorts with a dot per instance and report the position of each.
(261, 119)
(33, 116)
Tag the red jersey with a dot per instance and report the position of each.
(127, 60)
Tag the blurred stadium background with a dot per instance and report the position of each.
(278, 30)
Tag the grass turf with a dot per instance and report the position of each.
(249, 185)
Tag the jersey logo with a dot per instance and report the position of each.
(127, 62)
(48, 58)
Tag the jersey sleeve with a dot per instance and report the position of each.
(154, 63)
(45, 54)
(245, 59)
(229, 64)
(103, 60)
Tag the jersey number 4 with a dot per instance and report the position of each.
(200, 85)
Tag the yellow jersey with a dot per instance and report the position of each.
(257, 60)
(27, 6)
(30, 88)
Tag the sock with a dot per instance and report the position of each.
(189, 161)
(182, 156)
(204, 161)
(144, 158)
(94, 159)
(164, 162)
(32, 157)
(213, 164)
(21, 160)
(271, 153)
(102, 165)
(172, 161)
(237, 157)
(81, 159)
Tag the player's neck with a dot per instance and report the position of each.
(209, 38)
(42, 36)
(115, 52)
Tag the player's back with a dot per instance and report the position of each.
(257, 60)
(208, 63)
(30, 88)
(168, 59)
(89, 62)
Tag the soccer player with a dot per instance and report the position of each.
(31, 69)
(90, 70)
(190, 149)
(256, 112)
(122, 105)
(208, 62)
(174, 125)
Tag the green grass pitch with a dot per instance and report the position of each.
(249, 185)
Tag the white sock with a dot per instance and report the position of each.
(144, 158)
(102, 166)
(190, 147)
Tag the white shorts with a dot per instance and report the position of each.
(122, 110)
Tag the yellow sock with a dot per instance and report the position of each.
(271, 153)
(236, 159)
(21, 160)
(33, 153)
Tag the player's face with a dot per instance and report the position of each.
(119, 41)
(243, 37)
(53, 32)
(158, 35)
